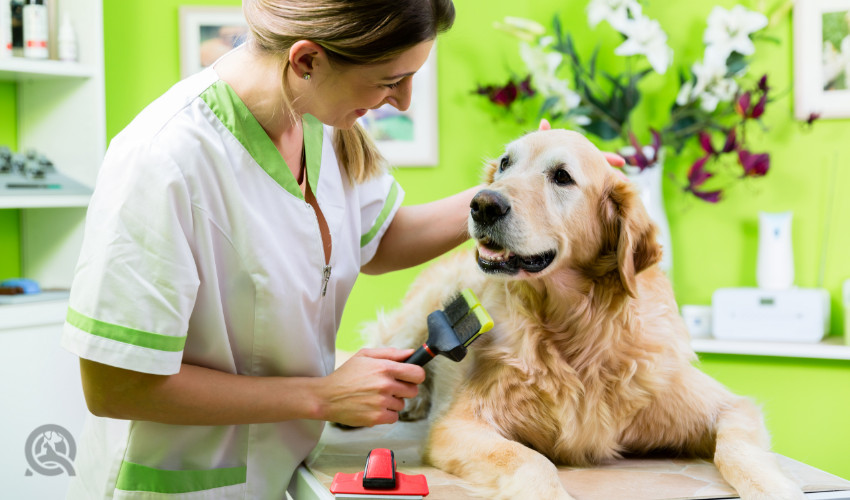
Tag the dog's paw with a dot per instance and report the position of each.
(534, 479)
(782, 489)
(417, 408)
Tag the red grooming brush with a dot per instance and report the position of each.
(379, 480)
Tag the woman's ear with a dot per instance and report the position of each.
(305, 56)
(636, 242)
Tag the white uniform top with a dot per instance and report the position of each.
(200, 248)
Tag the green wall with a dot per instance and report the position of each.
(714, 246)
(10, 255)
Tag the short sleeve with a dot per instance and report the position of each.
(136, 280)
(380, 199)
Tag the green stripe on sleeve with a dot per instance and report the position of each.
(135, 477)
(126, 335)
(385, 212)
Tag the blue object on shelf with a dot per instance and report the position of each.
(26, 284)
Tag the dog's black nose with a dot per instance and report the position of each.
(488, 206)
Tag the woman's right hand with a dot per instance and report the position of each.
(370, 388)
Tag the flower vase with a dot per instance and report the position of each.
(648, 185)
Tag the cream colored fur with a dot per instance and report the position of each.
(588, 358)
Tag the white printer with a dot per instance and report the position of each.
(759, 314)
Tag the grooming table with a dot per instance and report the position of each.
(628, 479)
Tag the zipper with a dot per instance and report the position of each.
(326, 275)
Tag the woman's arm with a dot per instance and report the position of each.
(419, 233)
(366, 390)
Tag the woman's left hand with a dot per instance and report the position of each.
(614, 159)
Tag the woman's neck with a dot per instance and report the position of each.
(257, 80)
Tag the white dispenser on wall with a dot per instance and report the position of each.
(775, 265)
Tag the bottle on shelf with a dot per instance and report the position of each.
(67, 41)
(36, 29)
(5, 30)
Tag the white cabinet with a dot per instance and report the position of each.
(43, 405)
(60, 113)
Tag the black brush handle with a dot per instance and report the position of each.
(420, 357)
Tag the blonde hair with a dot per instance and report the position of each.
(351, 32)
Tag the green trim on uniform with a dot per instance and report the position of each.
(126, 335)
(237, 118)
(314, 134)
(385, 212)
(135, 477)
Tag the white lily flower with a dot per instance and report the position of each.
(729, 30)
(524, 29)
(581, 120)
(710, 70)
(616, 12)
(645, 36)
(684, 95)
(712, 85)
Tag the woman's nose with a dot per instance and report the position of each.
(400, 96)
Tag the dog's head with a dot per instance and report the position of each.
(552, 203)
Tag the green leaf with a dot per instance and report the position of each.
(592, 70)
(601, 129)
(548, 104)
(735, 64)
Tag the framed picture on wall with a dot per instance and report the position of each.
(207, 33)
(822, 58)
(409, 138)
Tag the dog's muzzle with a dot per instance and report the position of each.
(487, 209)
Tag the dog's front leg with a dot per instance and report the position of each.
(464, 445)
(743, 459)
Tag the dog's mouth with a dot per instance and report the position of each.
(493, 258)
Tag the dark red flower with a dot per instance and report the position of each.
(705, 142)
(758, 109)
(697, 174)
(763, 84)
(812, 117)
(639, 158)
(742, 105)
(755, 165)
(709, 196)
(526, 88)
(504, 96)
(731, 141)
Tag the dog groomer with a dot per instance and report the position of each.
(228, 225)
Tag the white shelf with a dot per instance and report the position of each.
(829, 348)
(51, 310)
(21, 69)
(44, 201)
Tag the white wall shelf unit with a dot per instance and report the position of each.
(829, 348)
(21, 69)
(61, 114)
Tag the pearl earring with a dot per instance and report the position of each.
(306, 76)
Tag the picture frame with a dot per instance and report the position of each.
(207, 33)
(409, 138)
(821, 68)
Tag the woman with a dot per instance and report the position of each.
(228, 225)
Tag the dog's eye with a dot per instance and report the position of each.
(562, 178)
(504, 163)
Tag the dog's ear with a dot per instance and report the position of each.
(629, 231)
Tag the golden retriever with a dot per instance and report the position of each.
(589, 359)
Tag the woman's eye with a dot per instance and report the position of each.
(503, 163)
(562, 178)
(393, 85)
